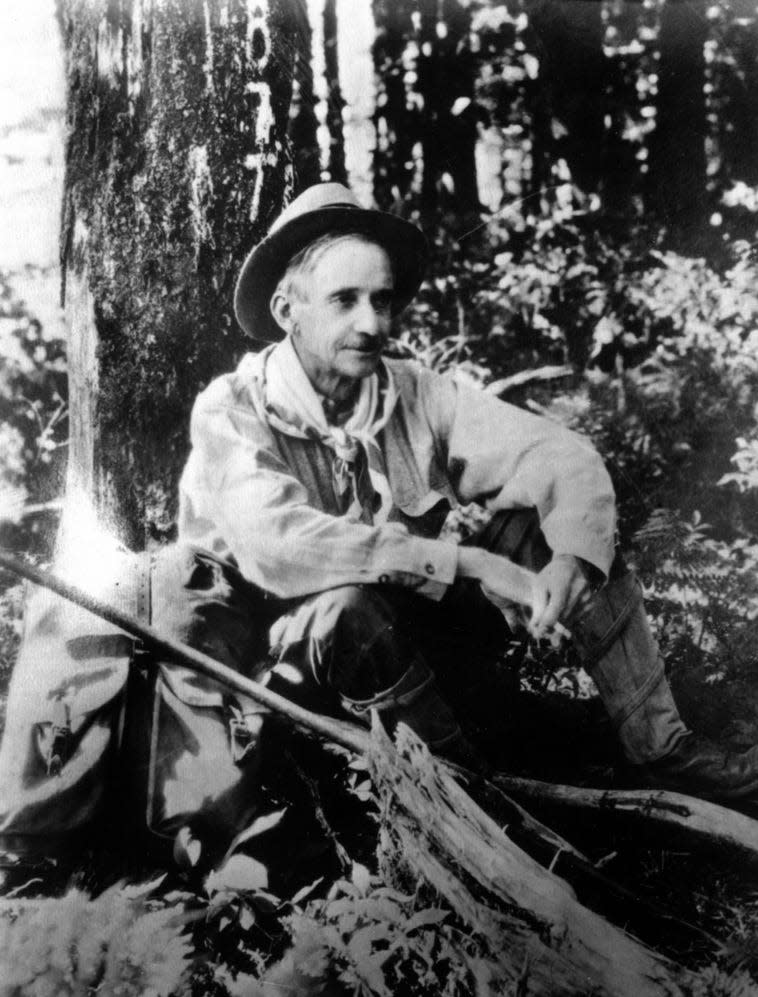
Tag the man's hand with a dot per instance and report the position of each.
(558, 589)
(551, 595)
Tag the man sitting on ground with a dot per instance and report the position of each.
(318, 480)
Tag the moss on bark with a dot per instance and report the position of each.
(177, 162)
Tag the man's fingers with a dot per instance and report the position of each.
(540, 599)
(559, 592)
(551, 595)
(579, 594)
(554, 609)
(550, 614)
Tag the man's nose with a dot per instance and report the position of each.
(370, 320)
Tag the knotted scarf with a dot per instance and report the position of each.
(358, 470)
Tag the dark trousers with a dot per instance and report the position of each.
(356, 647)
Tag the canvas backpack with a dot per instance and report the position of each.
(101, 738)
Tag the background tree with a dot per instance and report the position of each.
(736, 43)
(573, 74)
(630, 33)
(302, 130)
(334, 100)
(393, 117)
(176, 163)
(677, 190)
(447, 116)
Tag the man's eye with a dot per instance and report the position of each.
(383, 301)
(345, 299)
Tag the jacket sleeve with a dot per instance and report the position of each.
(505, 458)
(280, 541)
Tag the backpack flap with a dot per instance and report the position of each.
(205, 754)
(64, 714)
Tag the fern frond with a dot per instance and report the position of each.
(72, 945)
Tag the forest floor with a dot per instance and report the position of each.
(564, 737)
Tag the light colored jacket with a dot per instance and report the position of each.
(266, 499)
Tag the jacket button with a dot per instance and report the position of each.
(429, 568)
(384, 579)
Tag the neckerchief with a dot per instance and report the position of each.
(358, 470)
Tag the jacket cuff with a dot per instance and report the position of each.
(428, 566)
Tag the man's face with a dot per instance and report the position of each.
(341, 315)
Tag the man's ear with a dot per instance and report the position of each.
(282, 311)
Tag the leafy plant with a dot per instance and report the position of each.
(746, 460)
(33, 411)
(371, 939)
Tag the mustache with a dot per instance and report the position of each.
(368, 344)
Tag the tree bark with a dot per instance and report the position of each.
(334, 101)
(448, 129)
(677, 178)
(684, 816)
(356, 37)
(572, 97)
(426, 117)
(395, 125)
(628, 65)
(740, 138)
(176, 163)
(732, 106)
(302, 131)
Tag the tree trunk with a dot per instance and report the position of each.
(356, 33)
(630, 64)
(677, 178)
(393, 157)
(573, 74)
(732, 106)
(447, 118)
(740, 134)
(302, 131)
(176, 163)
(334, 102)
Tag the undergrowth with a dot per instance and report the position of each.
(374, 932)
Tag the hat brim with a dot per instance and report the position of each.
(266, 264)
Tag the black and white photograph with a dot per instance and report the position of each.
(379, 498)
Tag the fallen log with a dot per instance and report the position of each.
(644, 917)
(707, 823)
(544, 941)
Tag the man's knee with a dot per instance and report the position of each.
(517, 535)
(350, 610)
(347, 639)
(359, 614)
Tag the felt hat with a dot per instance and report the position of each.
(324, 208)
